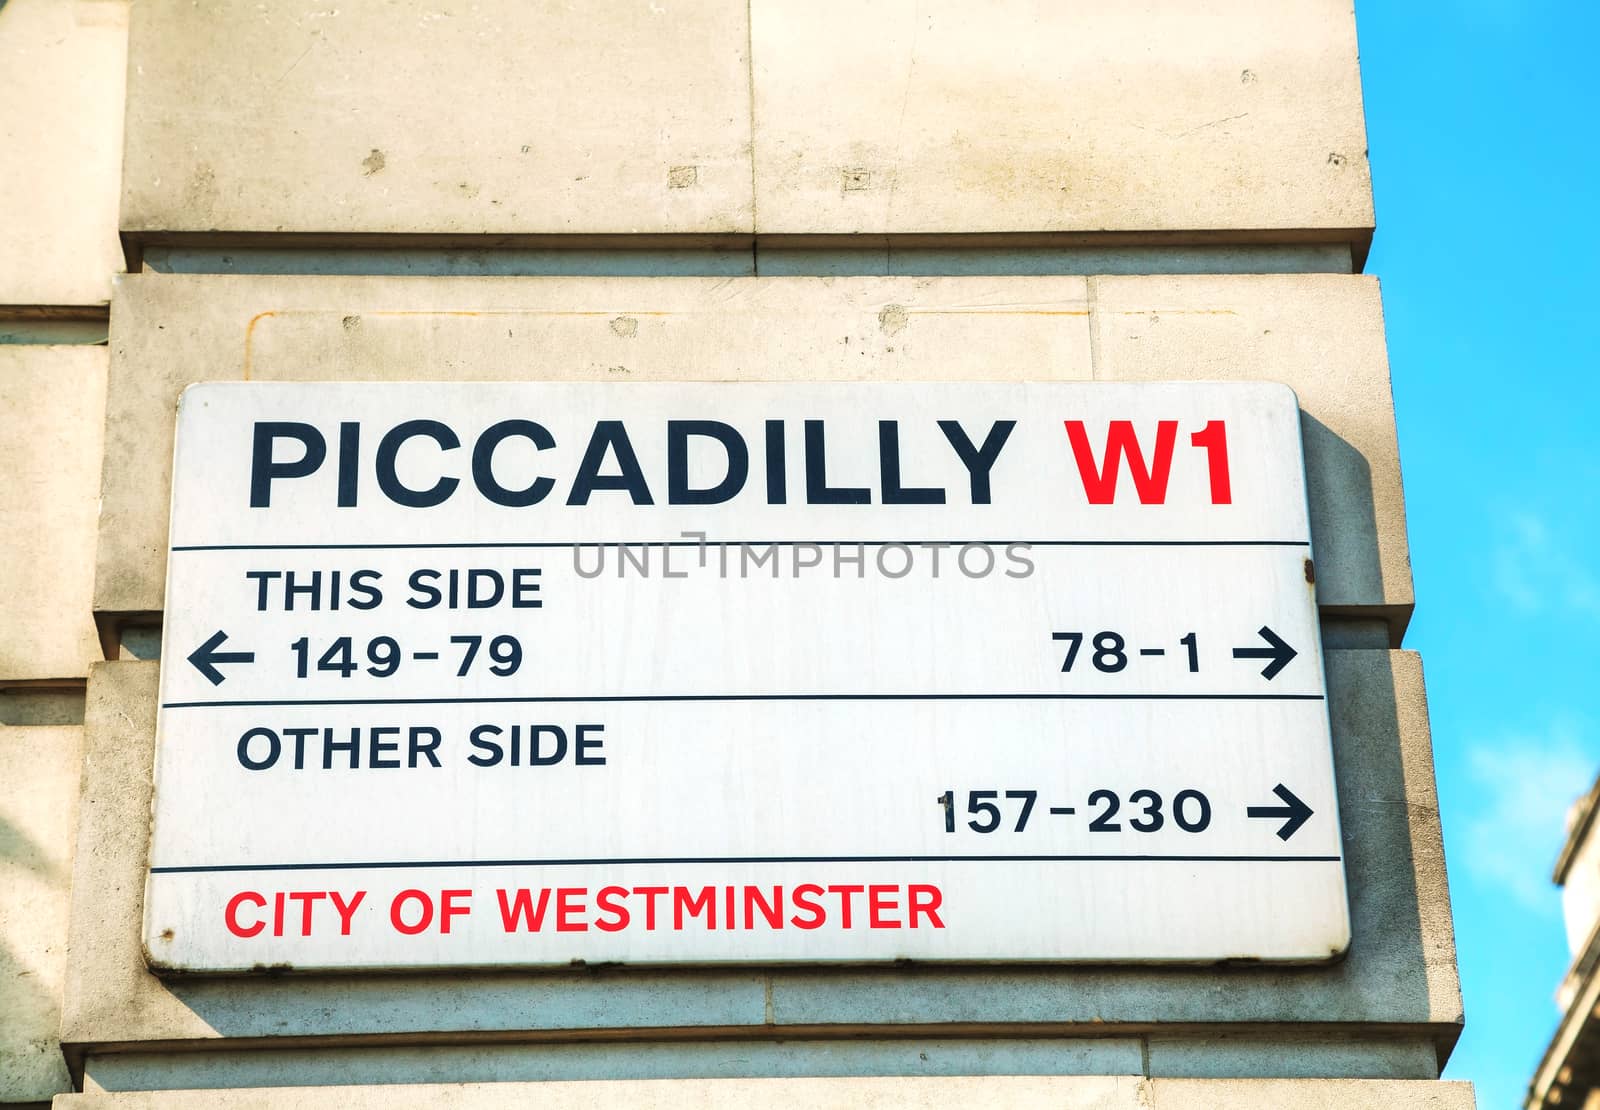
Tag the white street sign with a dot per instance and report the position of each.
(486, 675)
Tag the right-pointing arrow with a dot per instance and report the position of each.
(1294, 813)
(1278, 653)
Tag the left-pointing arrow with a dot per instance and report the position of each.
(206, 657)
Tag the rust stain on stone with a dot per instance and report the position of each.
(249, 339)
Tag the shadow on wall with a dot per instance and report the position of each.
(18, 849)
(31, 1063)
(1344, 519)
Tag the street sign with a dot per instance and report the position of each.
(483, 675)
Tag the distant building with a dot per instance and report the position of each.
(1569, 1074)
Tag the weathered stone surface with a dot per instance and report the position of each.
(61, 82)
(571, 1062)
(39, 771)
(875, 256)
(1231, 120)
(933, 116)
(1122, 1092)
(493, 118)
(1231, 1056)
(1206, 1054)
(1309, 1094)
(53, 401)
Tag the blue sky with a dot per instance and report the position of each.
(1483, 122)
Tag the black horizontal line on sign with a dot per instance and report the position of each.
(736, 697)
(394, 865)
(725, 543)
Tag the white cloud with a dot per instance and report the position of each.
(1525, 783)
(1535, 572)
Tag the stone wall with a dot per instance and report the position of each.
(903, 190)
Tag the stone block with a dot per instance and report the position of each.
(495, 118)
(1231, 123)
(53, 400)
(1121, 1092)
(596, 1062)
(881, 259)
(61, 82)
(1161, 116)
(1310, 1094)
(39, 766)
(1231, 1056)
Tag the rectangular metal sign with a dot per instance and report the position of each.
(487, 675)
